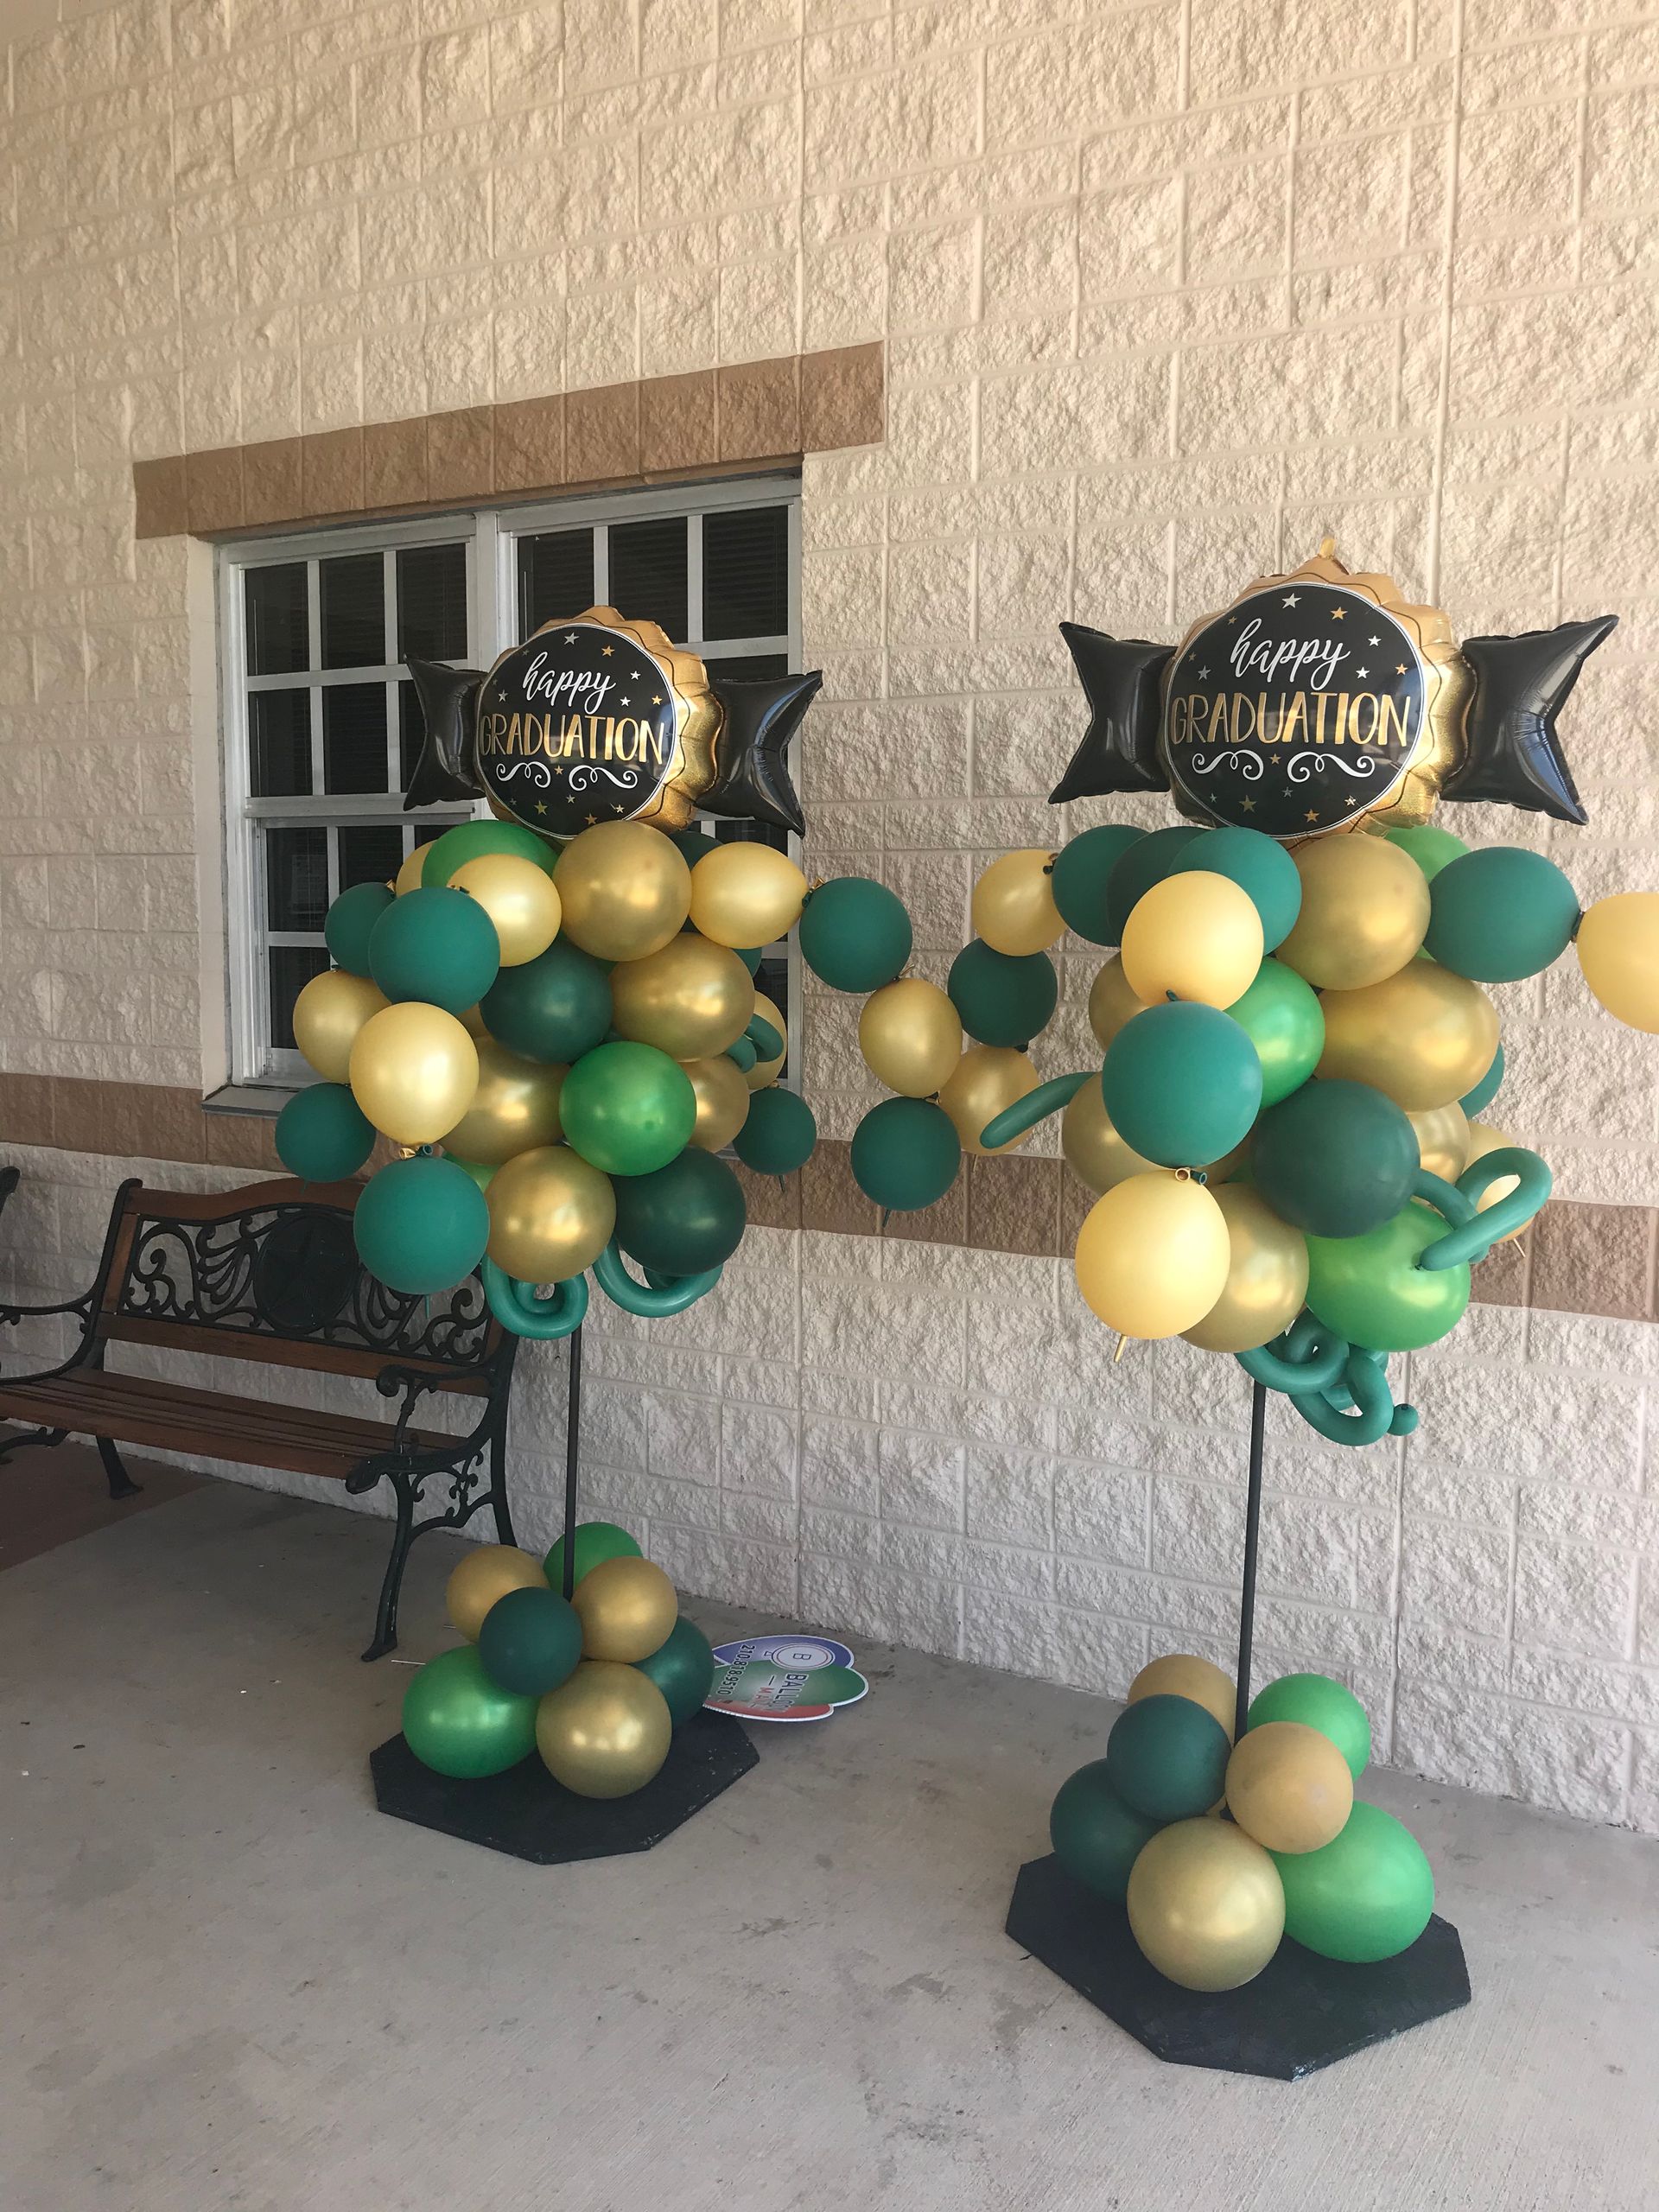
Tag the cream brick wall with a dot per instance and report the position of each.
(1167, 292)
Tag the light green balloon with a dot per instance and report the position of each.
(1365, 1896)
(1282, 1016)
(460, 1723)
(1371, 1290)
(1318, 1702)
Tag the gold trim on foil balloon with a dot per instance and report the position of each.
(1424, 1036)
(985, 1082)
(551, 1214)
(519, 897)
(487, 1571)
(328, 1015)
(413, 1071)
(605, 1732)
(765, 1072)
(1206, 1905)
(1111, 1002)
(1012, 906)
(911, 1036)
(516, 1106)
(744, 894)
(1094, 1151)
(1152, 1254)
(691, 999)
(723, 1101)
(1267, 1275)
(1364, 913)
(628, 1609)
(625, 890)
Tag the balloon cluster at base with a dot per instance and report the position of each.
(1221, 1849)
(596, 1683)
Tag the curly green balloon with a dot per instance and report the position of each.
(761, 1033)
(516, 1306)
(1036, 1106)
(1473, 1237)
(1338, 1388)
(1308, 1357)
(661, 1295)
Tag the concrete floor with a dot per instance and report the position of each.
(228, 1982)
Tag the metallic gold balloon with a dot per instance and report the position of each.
(1206, 1905)
(765, 1072)
(1617, 945)
(1442, 1133)
(628, 1609)
(690, 1000)
(1267, 1275)
(745, 894)
(985, 1080)
(1013, 906)
(519, 897)
(471, 1019)
(605, 1732)
(551, 1214)
(413, 1071)
(408, 876)
(1196, 936)
(1111, 1002)
(1152, 1254)
(1094, 1150)
(723, 1101)
(487, 1571)
(328, 1015)
(1288, 1787)
(1424, 1036)
(911, 1036)
(515, 1107)
(1183, 1674)
(624, 889)
(1364, 911)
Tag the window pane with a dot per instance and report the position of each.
(291, 968)
(432, 602)
(279, 735)
(411, 731)
(355, 737)
(556, 577)
(297, 878)
(745, 573)
(372, 853)
(648, 573)
(353, 611)
(748, 668)
(772, 980)
(278, 633)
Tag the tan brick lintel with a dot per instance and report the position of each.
(711, 420)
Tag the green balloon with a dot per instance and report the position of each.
(421, 1224)
(1431, 848)
(627, 1108)
(743, 1054)
(1282, 1016)
(682, 1668)
(1147, 862)
(530, 1641)
(1167, 1758)
(1096, 1837)
(693, 845)
(1182, 1084)
(1261, 868)
(350, 922)
(323, 1135)
(481, 1174)
(905, 1153)
(752, 955)
(1334, 1159)
(1477, 1100)
(1318, 1702)
(469, 841)
(1083, 869)
(682, 1218)
(595, 1540)
(1371, 1290)
(553, 1009)
(458, 1722)
(779, 1134)
(1367, 1895)
(1003, 998)
(438, 946)
(854, 933)
(1499, 915)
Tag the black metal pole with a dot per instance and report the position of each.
(572, 1439)
(1252, 1533)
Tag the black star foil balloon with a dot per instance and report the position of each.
(1119, 752)
(444, 771)
(1513, 756)
(751, 781)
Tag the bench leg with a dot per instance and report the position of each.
(403, 1535)
(42, 1436)
(121, 1482)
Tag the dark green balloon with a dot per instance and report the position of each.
(469, 841)
(530, 1641)
(1318, 1702)
(1501, 914)
(905, 1154)
(1167, 1758)
(692, 843)
(1430, 846)
(779, 1136)
(1081, 878)
(1477, 1100)
(553, 1009)
(1004, 998)
(1335, 1158)
(1182, 1084)
(458, 1722)
(1262, 869)
(1282, 1016)
(1096, 1837)
(1372, 1291)
(323, 1135)
(854, 933)
(439, 946)
(628, 1108)
(595, 1540)
(743, 1054)
(682, 1218)
(1367, 1895)
(421, 1224)
(350, 922)
(682, 1668)
(1147, 862)
(752, 955)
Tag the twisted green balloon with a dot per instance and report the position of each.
(1338, 1388)
(1474, 1233)
(660, 1296)
(1036, 1106)
(516, 1306)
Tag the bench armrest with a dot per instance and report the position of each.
(81, 1305)
(414, 1383)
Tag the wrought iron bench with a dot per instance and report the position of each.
(271, 1274)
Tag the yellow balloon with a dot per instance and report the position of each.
(690, 1000)
(519, 897)
(1152, 1254)
(1617, 945)
(413, 1071)
(1364, 911)
(1183, 1674)
(1424, 1036)
(605, 1732)
(1442, 1133)
(1197, 936)
(407, 877)
(1206, 1905)
(624, 890)
(515, 1107)
(745, 894)
(488, 1572)
(551, 1214)
(1111, 1002)
(722, 1102)
(471, 1019)
(1094, 1151)
(1013, 906)
(1288, 1787)
(628, 1608)
(328, 1015)
(765, 1072)
(1267, 1275)
(911, 1036)
(985, 1080)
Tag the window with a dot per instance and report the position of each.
(322, 726)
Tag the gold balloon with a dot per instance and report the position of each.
(985, 1080)
(551, 1214)
(722, 1102)
(1364, 911)
(605, 1732)
(911, 1036)
(768, 1071)
(1111, 1002)
(1152, 1254)
(408, 876)
(1442, 1133)
(1484, 1137)
(519, 897)
(744, 894)
(515, 1107)
(1206, 1905)
(328, 1015)
(1196, 936)
(1013, 906)
(1424, 1036)
(471, 1019)
(624, 890)
(628, 1609)
(1267, 1275)
(1094, 1151)
(487, 1571)
(690, 1000)
(1617, 945)
(413, 1071)
(1288, 1787)
(1183, 1674)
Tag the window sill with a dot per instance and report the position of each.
(254, 1100)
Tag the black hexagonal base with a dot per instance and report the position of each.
(1300, 2012)
(529, 1816)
